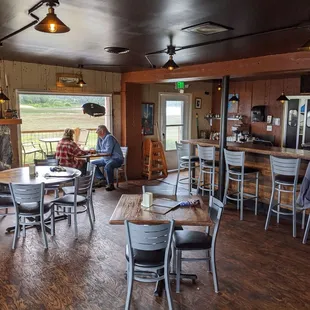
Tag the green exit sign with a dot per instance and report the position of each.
(180, 85)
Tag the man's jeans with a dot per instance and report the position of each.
(109, 166)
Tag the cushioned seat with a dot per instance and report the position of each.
(191, 240)
(69, 199)
(6, 202)
(287, 179)
(147, 258)
(193, 158)
(247, 170)
(32, 208)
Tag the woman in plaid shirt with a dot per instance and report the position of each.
(67, 150)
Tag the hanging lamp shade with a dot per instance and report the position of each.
(170, 64)
(234, 99)
(81, 82)
(3, 97)
(219, 86)
(305, 47)
(51, 23)
(282, 98)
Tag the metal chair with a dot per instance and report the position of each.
(6, 202)
(207, 165)
(123, 168)
(285, 179)
(148, 251)
(80, 199)
(167, 189)
(185, 161)
(71, 189)
(31, 148)
(237, 172)
(49, 162)
(187, 240)
(28, 200)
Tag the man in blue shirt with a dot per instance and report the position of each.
(108, 146)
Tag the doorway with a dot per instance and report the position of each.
(175, 119)
(297, 122)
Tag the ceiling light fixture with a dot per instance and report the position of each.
(283, 98)
(207, 28)
(234, 98)
(3, 97)
(219, 86)
(170, 64)
(51, 23)
(81, 82)
(117, 50)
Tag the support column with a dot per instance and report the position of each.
(223, 136)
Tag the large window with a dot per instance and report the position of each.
(46, 115)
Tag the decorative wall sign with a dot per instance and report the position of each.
(148, 119)
(67, 79)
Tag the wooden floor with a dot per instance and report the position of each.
(256, 269)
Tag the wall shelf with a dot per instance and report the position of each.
(210, 119)
(12, 121)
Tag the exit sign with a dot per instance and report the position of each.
(180, 85)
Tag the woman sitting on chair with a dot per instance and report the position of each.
(67, 151)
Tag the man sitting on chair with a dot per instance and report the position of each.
(108, 146)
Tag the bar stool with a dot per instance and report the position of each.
(236, 171)
(285, 173)
(185, 161)
(207, 165)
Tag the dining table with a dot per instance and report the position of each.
(48, 143)
(129, 208)
(43, 174)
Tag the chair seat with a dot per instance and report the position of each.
(287, 179)
(247, 170)
(192, 240)
(147, 258)
(6, 202)
(69, 199)
(33, 208)
(193, 158)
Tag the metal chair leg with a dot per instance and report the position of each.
(279, 203)
(178, 271)
(241, 198)
(270, 207)
(130, 274)
(304, 240)
(256, 191)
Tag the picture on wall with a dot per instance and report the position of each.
(148, 119)
(198, 103)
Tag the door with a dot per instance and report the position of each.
(175, 120)
(292, 123)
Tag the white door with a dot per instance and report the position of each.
(175, 119)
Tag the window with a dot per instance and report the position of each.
(174, 123)
(292, 118)
(308, 119)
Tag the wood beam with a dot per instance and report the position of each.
(271, 64)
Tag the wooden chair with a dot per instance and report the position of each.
(81, 136)
(31, 148)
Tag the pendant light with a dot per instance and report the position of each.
(81, 82)
(3, 97)
(234, 98)
(305, 47)
(283, 98)
(219, 86)
(51, 23)
(170, 64)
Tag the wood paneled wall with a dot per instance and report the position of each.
(253, 93)
(39, 77)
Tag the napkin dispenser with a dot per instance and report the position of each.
(147, 200)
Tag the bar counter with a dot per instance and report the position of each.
(257, 156)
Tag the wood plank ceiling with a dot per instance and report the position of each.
(144, 26)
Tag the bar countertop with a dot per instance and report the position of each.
(254, 148)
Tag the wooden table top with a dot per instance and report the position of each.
(254, 148)
(129, 208)
(21, 176)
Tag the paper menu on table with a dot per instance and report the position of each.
(165, 203)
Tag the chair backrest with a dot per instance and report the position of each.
(165, 189)
(285, 166)
(206, 154)
(81, 136)
(27, 193)
(215, 212)
(149, 238)
(46, 162)
(125, 152)
(182, 149)
(233, 158)
(83, 184)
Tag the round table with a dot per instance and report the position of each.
(49, 141)
(21, 176)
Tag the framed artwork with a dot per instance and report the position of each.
(67, 79)
(148, 119)
(198, 103)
